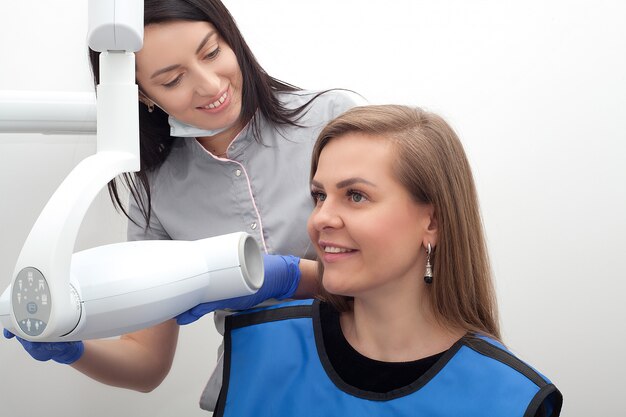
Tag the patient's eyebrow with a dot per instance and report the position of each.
(356, 180)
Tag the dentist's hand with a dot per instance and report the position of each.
(282, 276)
(61, 352)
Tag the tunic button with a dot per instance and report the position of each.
(253, 226)
(238, 172)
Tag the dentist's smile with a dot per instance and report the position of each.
(218, 104)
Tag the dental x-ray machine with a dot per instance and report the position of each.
(55, 295)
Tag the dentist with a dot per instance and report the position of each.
(225, 147)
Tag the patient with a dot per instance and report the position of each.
(407, 323)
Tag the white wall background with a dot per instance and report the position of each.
(535, 89)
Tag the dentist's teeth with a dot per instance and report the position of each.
(217, 102)
(332, 249)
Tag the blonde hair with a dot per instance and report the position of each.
(431, 164)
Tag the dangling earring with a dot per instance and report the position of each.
(145, 100)
(428, 275)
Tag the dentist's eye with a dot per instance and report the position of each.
(174, 82)
(213, 54)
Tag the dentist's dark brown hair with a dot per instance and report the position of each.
(260, 94)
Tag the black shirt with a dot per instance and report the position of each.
(360, 371)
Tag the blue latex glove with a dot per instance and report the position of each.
(282, 276)
(61, 352)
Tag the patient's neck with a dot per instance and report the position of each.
(396, 327)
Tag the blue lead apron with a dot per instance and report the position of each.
(276, 365)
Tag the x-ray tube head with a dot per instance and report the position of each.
(124, 287)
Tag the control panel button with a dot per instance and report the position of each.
(31, 301)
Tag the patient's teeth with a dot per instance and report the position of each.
(332, 249)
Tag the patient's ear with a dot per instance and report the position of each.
(431, 226)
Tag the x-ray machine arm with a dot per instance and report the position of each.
(109, 290)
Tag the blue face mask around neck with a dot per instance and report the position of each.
(183, 130)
